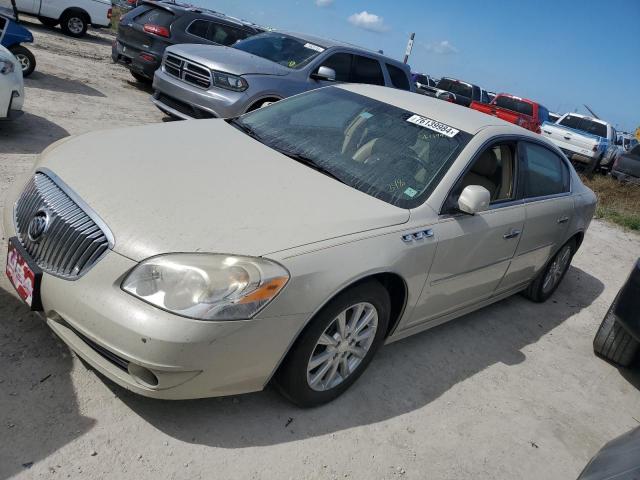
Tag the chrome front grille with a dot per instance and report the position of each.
(60, 233)
(187, 71)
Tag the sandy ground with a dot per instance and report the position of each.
(511, 391)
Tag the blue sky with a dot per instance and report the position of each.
(561, 53)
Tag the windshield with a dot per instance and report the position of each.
(455, 87)
(381, 150)
(585, 125)
(422, 79)
(514, 104)
(282, 49)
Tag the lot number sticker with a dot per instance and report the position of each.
(311, 46)
(445, 130)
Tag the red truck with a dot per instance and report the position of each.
(525, 113)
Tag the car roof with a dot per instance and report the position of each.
(331, 43)
(593, 119)
(456, 116)
(181, 8)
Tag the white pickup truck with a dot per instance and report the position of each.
(74, 16)
(583, 139)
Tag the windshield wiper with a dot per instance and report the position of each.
(244, 128)
(309, 162)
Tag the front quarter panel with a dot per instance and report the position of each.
(318, 275)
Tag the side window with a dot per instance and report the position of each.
(366, 70)
(199, 28)
(398, 77)
(545, 173)
(543, 114)
(494, 170)
(225, 34)
(485, 97)
(341, 63)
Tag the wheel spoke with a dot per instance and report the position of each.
(319, 360)
(358, 351)
(366, 334)
(366, 320)
(326, 339)
(344, 368)
(355, 317)
(342, 324)
(320, 374)
(332, 373)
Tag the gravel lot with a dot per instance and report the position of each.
(511, 391)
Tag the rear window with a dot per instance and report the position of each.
(155, 16)
(514, 104)
(216, 32)
(585, 125)
(455, 87)
(398, 77)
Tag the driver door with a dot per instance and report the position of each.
(474, 251)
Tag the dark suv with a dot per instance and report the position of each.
(145, 31)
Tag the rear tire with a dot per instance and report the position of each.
(74, 23)
(541, 289)
(613, 342)
(329, 346)
(141, 78)
(48, 22)
(25, 58)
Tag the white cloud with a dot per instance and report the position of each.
(368, 21)
(324, 3)
(441, 48)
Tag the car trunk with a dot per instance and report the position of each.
(131, 32)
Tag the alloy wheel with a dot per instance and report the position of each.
(342, 346)
(25, 63)
(557, 269)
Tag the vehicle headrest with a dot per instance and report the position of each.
(486, 165)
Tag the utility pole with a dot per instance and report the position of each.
(409, 47)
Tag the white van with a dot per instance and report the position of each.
(74, 16)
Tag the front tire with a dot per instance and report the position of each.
(551, 276)
(613, 342)
(74, 23)
(25, 58)
(336, 347)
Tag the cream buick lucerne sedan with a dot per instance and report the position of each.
(212, 257)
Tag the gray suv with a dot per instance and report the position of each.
(205, 81)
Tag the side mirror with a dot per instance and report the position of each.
(474, 199)
(324, 73)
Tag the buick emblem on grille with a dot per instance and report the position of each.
(38, 225)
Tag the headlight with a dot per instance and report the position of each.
(229, 82)
(6, 66)
(207, 286)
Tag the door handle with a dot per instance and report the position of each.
(512, 234)
(567, 138)
(563, 219)
(547, 131)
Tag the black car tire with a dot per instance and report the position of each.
(48, 22)
(613, 342)
(291, 378)
(26, 59)
(536, 291)
(141, 78)
(71, 17)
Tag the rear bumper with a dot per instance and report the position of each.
(628, 303)
(624, 177)
(214, 102)
(130, 58)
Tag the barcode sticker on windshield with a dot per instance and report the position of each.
(445, 130)
(311, 46)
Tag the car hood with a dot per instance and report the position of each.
(204, 186)
(229, 60)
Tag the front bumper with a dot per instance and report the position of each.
(212, 103)
(152, 352)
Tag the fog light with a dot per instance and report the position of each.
(143, 376)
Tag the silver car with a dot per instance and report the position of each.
(205, 81)
(287, 245)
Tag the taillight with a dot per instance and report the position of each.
(147, 57)
(156, 30)
(109, 14)
(132, 2)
